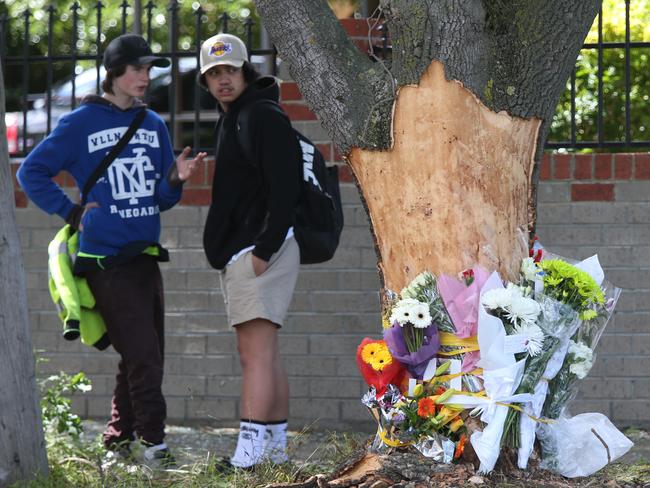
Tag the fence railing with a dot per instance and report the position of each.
(629, 50)
(33, 123)
(188, 120)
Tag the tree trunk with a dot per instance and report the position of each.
(443, 138)
(22, 447)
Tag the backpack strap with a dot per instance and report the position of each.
(110, 157)
(242, 126)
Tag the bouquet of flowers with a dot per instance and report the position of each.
(536, 340)
(580, 355)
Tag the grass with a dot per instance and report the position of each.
(78, 464)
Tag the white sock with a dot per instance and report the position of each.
(250, 444)
(275, 447)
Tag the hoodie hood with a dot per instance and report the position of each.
(99, 100)
(266, 87)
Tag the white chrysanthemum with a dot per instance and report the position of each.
(497, 298)
(523, 310)
(580, 351)
(413, 311)
(519, 291)
(534, 337)
(580, 369)
(529, 269)
(421, 280)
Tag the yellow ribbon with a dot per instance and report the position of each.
(482, 394)
(449, 339)
(449, 377)
(461, 345)
(391, 442)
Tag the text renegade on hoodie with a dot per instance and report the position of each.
(132, 192)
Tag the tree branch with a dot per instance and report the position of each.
(351, 95)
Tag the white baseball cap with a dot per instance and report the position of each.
(223, 49)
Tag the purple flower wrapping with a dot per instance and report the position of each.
(414, 362)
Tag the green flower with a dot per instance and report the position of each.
(572, 286)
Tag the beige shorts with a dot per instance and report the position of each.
(267, 296)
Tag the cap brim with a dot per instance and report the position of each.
(155, 61)
(237, 63)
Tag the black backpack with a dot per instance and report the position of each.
(318, 217)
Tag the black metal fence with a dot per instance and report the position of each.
(189, 124)
(185, 126)
(620, 136)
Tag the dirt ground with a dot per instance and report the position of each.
(198, 443)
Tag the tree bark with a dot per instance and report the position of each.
(22, 446)
(447, 169)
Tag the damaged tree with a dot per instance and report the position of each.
(22, 447)
(444, 139)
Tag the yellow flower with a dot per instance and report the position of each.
(385, 323)
(377, 355)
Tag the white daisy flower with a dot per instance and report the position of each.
(534, 337)
(413, 311)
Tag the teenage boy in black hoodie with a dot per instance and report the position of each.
(248, 236)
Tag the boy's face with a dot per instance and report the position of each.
(134, 81)
(226, 83)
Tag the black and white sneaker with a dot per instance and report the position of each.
(159, 457)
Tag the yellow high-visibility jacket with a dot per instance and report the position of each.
(74, 301)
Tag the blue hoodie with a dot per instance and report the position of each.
(130, 195)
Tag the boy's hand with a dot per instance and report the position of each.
(187, 166)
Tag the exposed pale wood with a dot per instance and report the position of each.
(453, 190)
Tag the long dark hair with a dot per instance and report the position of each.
(111, 74)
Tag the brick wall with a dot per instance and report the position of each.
(601, 204)
(587, 204)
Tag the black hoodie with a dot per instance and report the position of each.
(252, 202)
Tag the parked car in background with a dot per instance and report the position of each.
(157, 98)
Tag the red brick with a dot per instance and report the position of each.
(20, 199)
(199, 178)
(545, 167)
(583, 167)
(337, 156)
(362, 45)
(290, 91)
(355, 27)
(210, 167)
(623, 166)
(196, 197)
(298, 111)
(326, 151)
(345, 174)
(642, 166)
(603, 167)
(60, 179)
(562, 166)
(14, 170)
(592, 192)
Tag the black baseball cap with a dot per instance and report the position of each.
(131, 49)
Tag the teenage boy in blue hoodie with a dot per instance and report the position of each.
(119, 230)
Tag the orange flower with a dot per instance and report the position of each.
(426, 407)
(460, 447)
